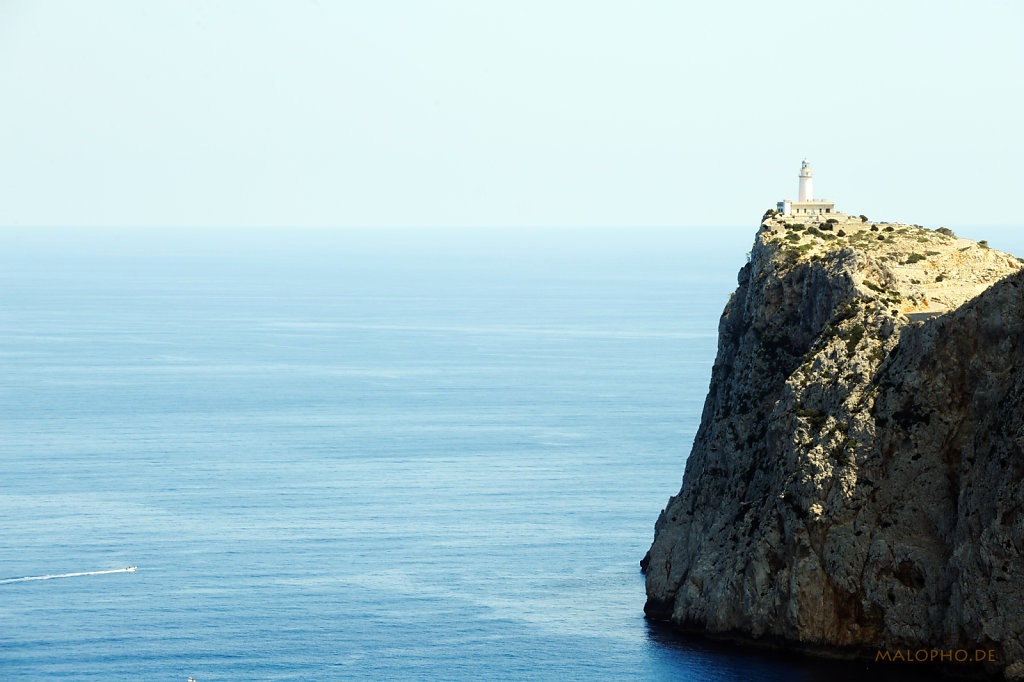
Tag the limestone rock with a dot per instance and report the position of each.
(856, 480)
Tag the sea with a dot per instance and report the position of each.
(353, 454)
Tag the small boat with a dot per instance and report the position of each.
(132, 569)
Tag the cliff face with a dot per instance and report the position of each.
(856, 481)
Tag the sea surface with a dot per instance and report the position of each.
(352, 454)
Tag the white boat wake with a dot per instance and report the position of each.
(130, 569)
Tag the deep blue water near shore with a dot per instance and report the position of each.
(351, 454)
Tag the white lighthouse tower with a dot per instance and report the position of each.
(806, 204)
(806, 182)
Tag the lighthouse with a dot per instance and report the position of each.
(806, 182)
(806, 204)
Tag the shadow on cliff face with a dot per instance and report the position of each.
(696, 657)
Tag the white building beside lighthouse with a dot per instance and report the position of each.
(806, 204)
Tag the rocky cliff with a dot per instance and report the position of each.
(856, 481)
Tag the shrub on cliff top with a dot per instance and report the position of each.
(946, 231)
(816, 417)
(844, 312)
(914, 258)
(874, 287)
(853, 338)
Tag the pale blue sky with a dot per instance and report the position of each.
(484, 113)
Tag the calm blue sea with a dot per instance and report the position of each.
(352, 454)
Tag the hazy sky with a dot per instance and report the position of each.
(486, 112)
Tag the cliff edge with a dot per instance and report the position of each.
(856, 481)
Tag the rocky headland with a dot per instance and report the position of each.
(855, 485)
